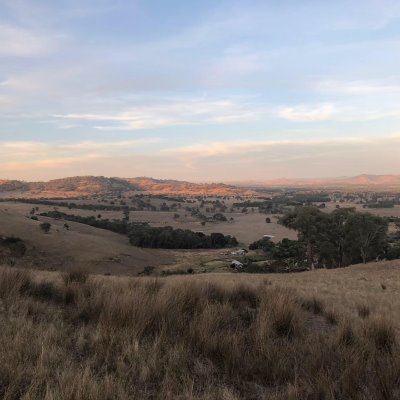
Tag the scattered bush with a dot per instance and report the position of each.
(45, 227)
(14, 246)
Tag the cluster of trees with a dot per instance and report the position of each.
(280, 204)
(143, 235)
(380, 204)
(169, 198)
(340, 238)
(219, 217)
(332, 240)
(70, 205)
(118, 226)
(286, 249)
(140, 205)
(168, 238)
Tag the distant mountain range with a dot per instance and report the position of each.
(359, 181)
(89, 185)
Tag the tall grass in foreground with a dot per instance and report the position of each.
(184, 339)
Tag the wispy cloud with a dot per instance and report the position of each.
(215, 149)
(320, 112)
(217, 160)
(30, 151)
(289, 158)
(211, 73)
(171, 113)
(357, 87)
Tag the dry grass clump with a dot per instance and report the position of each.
(381, 332)
(75, 276)
(346, 335)
(363, 311)
(314, 305)
(331, 317)
(182, 339)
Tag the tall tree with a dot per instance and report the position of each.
(310, 223)
(366, 235)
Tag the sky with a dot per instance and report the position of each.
(199, 90)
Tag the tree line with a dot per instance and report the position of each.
(144, 235)
(70, 205)
(169, 238)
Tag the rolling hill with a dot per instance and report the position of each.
(89, 185)
(364, 181)
(81, 246)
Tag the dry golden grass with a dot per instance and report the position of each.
(95, 250)
(342, 290)
(247, 228)
(79, 337)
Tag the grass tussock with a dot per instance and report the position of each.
(314, 305)
(75, 276)
(331, 317)
(179, 338)
(363, 311)
(382, 334)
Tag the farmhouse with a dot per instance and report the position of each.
(240, 252)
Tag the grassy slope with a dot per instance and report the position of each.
(344, 290)
(247, 228)
(181, 338)
(94, 249)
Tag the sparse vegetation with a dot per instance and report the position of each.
(181, 338)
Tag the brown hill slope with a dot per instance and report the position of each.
(66, 187)
(88, 185)
(380, 182)
(161, 186)
(94, 250)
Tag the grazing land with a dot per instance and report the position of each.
(101, 251)
(95, 250)
(205, 311)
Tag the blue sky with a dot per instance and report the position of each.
(199, 90)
